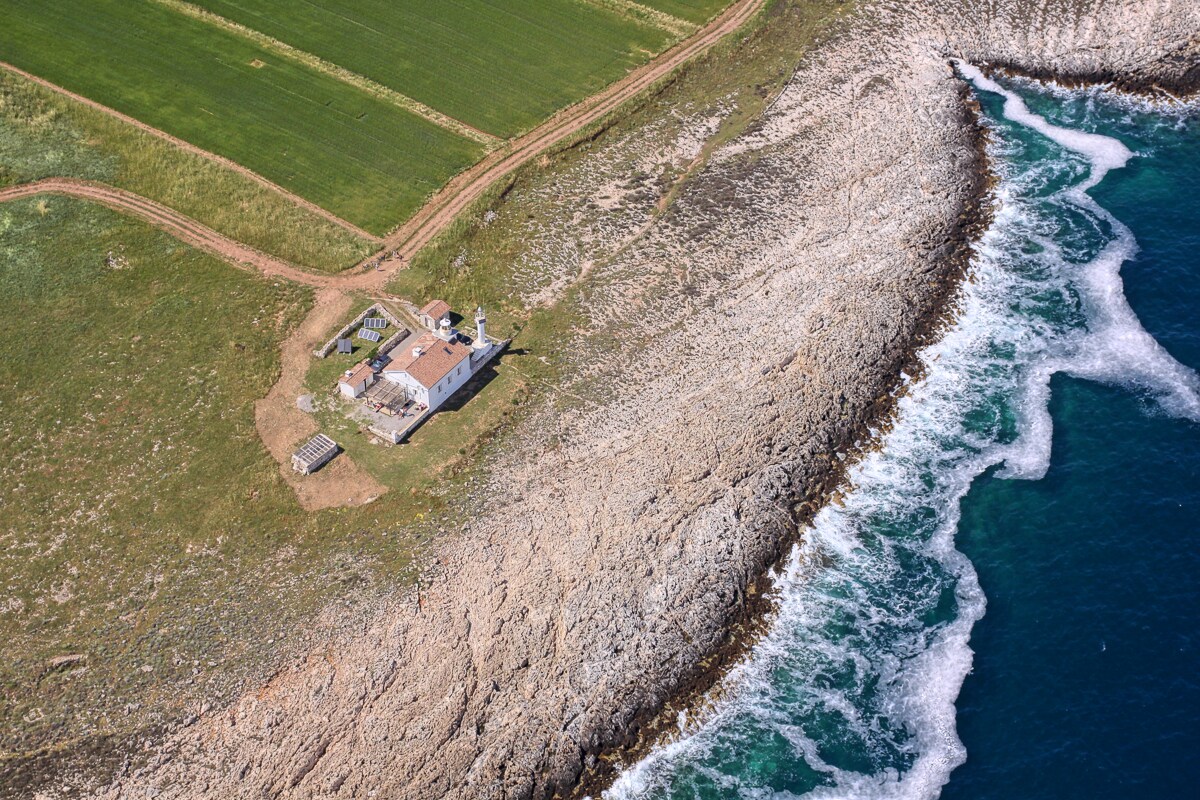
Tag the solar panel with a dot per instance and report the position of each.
(375, 323)
(370, 336)
(345, 346)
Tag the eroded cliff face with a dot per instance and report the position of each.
(731, 355)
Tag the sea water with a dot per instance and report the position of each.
(1006, 604)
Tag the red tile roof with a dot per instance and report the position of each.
(361, 373)
(437, 359)
(436, 309)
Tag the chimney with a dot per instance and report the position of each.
(480, 324)
(416, 352)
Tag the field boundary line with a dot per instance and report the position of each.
(186, 146)
(644, 14)
(167, 219)
(466, 187)
(335, 71)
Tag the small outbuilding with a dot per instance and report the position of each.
(355, 381)
(314, 454)
(431, 315)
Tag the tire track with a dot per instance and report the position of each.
(178, 225)
(195, 150)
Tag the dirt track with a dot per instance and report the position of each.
(178, 225)
(191, 148)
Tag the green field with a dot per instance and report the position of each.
(44, 135)
(357, 155)
(498, 66)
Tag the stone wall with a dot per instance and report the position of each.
(375, 310)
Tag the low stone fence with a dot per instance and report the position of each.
(376, 310)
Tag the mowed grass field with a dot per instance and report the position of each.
(44, 135)
(357, 155)
(499, 65)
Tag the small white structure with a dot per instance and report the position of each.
(431, 370)
(355, 381)
(432, 315)
(481, 344)
(315, 452)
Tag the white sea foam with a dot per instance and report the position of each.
(1117, 348)
(871, 673)
(1105, 152)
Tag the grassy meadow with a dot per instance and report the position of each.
(151, 556)
(350, 152)
(44, 135)
(500, 67)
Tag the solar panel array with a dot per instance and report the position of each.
(370, 336)
(375, 323)
(345, 346)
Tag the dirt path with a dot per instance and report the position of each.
(282, 425)
(191, 148)
(170, 220)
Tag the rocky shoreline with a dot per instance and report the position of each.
(736, 350)
(952, 263)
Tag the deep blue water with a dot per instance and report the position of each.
(1007, 604)
(1086, 680)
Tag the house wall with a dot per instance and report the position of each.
(354, 390)
(438, 394)
(450, 384)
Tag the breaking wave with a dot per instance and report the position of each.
(852, 692)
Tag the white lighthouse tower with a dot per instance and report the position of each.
(481, 340)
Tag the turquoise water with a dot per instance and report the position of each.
(1006, 606)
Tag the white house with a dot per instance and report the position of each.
(355, 381)
(431, 370)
